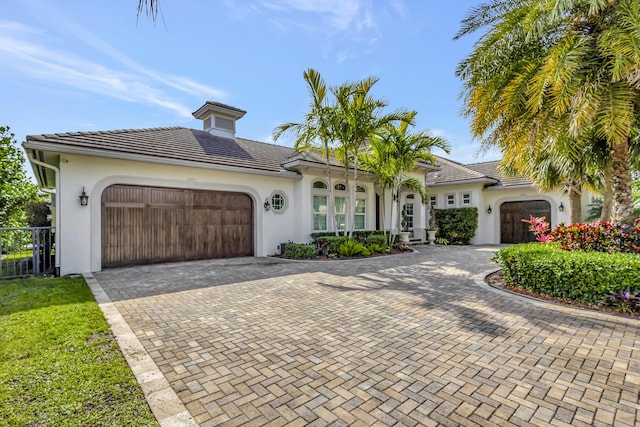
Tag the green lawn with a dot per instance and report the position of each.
(59, 365)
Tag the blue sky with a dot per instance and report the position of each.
(68, 65)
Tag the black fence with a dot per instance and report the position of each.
(26, 252)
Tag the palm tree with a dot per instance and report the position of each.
(394, 153)
(547, 69)
(315, 132)
(358, 116)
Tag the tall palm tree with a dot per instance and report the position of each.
(399, 151)
(315, 132)
(548, 69)
(358, 116)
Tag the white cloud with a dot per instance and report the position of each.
(30, 51)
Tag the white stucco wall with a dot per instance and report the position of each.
(488, 231)
(80, 234)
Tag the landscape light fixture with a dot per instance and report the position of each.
(489, 210)
(84, 198)
(561, 207)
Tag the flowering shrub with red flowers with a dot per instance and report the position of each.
(597, 236)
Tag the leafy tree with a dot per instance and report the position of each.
(15, 187)
(557, 70)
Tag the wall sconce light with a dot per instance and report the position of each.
(267, 205)
(489, 210)
(84, 198)
(561, 207)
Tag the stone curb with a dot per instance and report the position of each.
(162, 399)
(479, 280)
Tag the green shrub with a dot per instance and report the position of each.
(299, 251)
(457, 225)
(378, 248)
(328, 245)
(352, 248)
(359, 236)
(377, 239)
(574, 275)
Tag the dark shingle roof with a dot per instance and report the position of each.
(177, 143)
(457, 173)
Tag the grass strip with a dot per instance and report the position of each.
(59, 364)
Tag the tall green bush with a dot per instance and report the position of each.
(457, 225)
(573, 275)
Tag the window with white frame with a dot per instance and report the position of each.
(450, 200)
(320, 204)
(360, 216)
(341, 211)
(465, 199)
(278, 202)
(433, 200)
(340, 203)
(319, 213)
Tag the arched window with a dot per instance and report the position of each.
(340, 187)
(320, 185)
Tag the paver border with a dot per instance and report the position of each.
(479, 280)
(165, 404)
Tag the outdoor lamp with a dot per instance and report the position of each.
(84, 198)
(561, 207)
(489, 210)
(267, 205)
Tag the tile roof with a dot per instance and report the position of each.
(177, 143)
(457, 173)
(491, 169)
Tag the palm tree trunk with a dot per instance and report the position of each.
(353, 191)
(332, 200)
(346, 200)
(575, 203)
(607, 193)
(622, 213)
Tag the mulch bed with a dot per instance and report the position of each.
(497, 281)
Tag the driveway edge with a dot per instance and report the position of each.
(162, 399)
(479, 280)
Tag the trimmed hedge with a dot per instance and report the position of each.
(457, 225)
(299, 251)
(359, 236)
(587, 277)
(327, 244)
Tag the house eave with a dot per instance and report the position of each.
(508, 187)
(462, 182)
(94, 152)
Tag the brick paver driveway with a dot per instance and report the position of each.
(404, 340)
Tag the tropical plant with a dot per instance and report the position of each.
(393, 153)
(351, 248)
(316, 131)
(357, 117)
(560, 71)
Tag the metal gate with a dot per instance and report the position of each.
(26, 252)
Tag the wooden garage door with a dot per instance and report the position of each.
(512, 229)
(144, 225)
